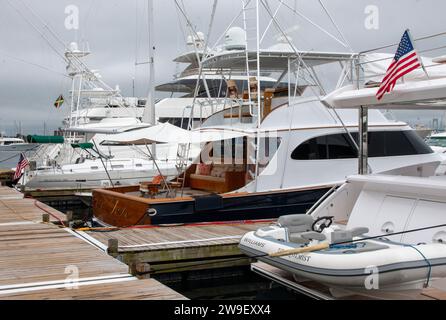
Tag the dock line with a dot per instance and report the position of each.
(50, 213)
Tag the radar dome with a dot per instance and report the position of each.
(235, 39)
(196, 40)
(73, 47)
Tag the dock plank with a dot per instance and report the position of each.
(26, 210)
(158, 238)
(37, 259)
(148, 289)
(9, 193)
(29, 258)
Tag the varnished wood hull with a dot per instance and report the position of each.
(122, 210)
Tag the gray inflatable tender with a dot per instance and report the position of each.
(296, 220)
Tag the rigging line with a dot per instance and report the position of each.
(300, 14)
(33, 64)
(394, 234)
(301, 60)
(45, 25)
(136, 39)
(76, 59)
(204, 56)
(38, 31)
(195, 34)
(58, 39)
(395, 44)
(298, 54)
(270, 22)
(231, 24)
(183, 32)
(335, 25)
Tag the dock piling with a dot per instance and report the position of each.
(113, 246)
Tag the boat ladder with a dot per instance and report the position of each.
(182, 161)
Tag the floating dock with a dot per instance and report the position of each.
(43, 261)
(156, 250)
(318, 291)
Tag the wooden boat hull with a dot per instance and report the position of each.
(121, 210)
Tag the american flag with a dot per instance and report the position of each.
(23, 162)
(406, 60)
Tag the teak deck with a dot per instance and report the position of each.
(43, 261)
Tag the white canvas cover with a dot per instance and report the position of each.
(168, 133)
(375, 66)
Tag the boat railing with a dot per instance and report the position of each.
(424, 45)
(323, 198)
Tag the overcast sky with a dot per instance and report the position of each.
(32, 74)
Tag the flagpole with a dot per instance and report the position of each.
(420, 58)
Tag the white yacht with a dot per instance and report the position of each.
(377, 235)
(305, 147)
(104, 111)
(9, 144)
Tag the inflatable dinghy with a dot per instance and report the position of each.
(330, 254)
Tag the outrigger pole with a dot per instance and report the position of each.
(149, 113)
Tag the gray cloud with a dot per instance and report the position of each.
(116, 31)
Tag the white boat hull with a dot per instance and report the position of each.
(17, 147)
(85, 178)
(395, 266)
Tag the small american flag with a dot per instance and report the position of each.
(23, 162)
(406, 60)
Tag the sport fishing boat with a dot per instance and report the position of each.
(292, 148)
(376, 232)
(284, 147)
(104, 110)
(297, 137)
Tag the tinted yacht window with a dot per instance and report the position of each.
(381, 144)
(340, 146)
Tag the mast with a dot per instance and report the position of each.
(149, 113)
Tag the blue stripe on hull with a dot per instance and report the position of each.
(246, 207)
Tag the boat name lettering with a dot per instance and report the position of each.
(301, 257)
(254, 242)
(119, 211)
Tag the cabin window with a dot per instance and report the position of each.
(138, 165)
(179, 122)
(118, 166)
(94, 168)
(381, 144)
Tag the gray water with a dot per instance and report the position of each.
(8, 160)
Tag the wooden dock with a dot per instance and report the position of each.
(46, 261)
(156, 250)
